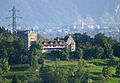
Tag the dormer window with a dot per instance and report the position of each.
(61, 42)
(51, 42)
(45, 43)
(56, 42)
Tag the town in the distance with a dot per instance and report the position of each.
(79, 53)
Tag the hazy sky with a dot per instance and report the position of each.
(54, 12)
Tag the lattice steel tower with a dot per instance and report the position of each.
(14, 19)
(14, 26)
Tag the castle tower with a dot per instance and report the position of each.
(29, 37)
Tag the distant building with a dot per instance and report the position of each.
(29, 37)
(59, 44)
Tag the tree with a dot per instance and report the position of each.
(116, 48)
(114, 61)
(41, 60)
(46, 74)
(106, 71)
(54, 55)
(118, 70)
(89, 53)
(103, 41)
(62, 55)
(71, 73)
(52, 74)
(17, 46)
(82, 38)
(65, 55)
(24, 59)
(36, 48)
(78, 76)
(15, 79)
(3, 80)
(34, 62)
(59, 74)
(35, 53)
(78, 54)
(4, 65)
(100, 39)
(108, 51)
(10, 46)
(101, 79)
(98, 52)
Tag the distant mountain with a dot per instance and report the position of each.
(55, 12)
(49, 15)
(112, 15)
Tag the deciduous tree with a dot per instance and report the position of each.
(118, 70)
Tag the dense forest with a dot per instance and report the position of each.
(101, 53)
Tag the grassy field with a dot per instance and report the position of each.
(93, 66)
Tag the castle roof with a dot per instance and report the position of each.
(66, 37)
(54, 43)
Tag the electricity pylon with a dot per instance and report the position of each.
(14, 19)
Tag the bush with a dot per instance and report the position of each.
(113, 62)
(106, 71)
(90, 65)
(101, 79)
(62, 55)
(118, 70)
(40, 60)
(74, 55)
(24, 59)
(15, 79)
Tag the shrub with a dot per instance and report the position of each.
(62, 55)
(106, 71)
(118, 70)
(113, 62)
(41, 60)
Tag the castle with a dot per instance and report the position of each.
(29, 37)
(49, 45)
(59, 44)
